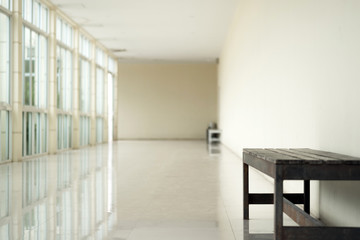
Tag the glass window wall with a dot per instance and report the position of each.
(64, 72)
(35, 77)
(35, 64)
(36, 13)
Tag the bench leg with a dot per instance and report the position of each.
(307, 196)
(246, 190)
(278, 202)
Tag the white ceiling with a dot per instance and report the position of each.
(155, 30)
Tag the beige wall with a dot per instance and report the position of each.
(289, 77)
(166, 101)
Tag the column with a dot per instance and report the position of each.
(76, 93)
(106, 94)
(93, 96)
(52, 84)
(17, 107)
(115, 102)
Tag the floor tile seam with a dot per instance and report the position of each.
(228, 217)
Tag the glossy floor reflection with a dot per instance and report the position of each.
(131, 190)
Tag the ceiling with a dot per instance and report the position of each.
(155, 30)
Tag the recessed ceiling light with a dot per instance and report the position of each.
(108, 39)
(119, 50)
(92, 25)
(71, 5)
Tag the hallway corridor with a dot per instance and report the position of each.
(130, 190)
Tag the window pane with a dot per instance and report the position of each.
(64, 131)
(85, 86)
(36, 14)
(27, 55)
(5, 4)
(84, 130)
(58, 29)
(58, 77)
(4, 58)
(27, 133)
(100, 57)
(64, 33)
(27, 10)
(44, 133)
(59, 131)
(64, 79)
(99, 130)
(43, 78)
(99, 91)
(36, 127)
(4, 136)
(85, 47)
(44, 18)
(34, 69)
(68, 81)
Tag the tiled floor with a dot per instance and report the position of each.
(131, 190)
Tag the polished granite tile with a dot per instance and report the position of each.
(132, 190)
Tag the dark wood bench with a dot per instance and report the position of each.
(299, 164)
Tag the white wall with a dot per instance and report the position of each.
(289, 76)
(166, 101)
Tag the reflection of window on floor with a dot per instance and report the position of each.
(5, 231)
(35, 222)
(34, 181)
(85, 210)
(84, 166)
(4, 201)
(34, 199)
(64, 171)
(100, 207)
(63, 215)
(63, 199)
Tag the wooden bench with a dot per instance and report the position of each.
(299, 164)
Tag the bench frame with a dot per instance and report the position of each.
(298, 164)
